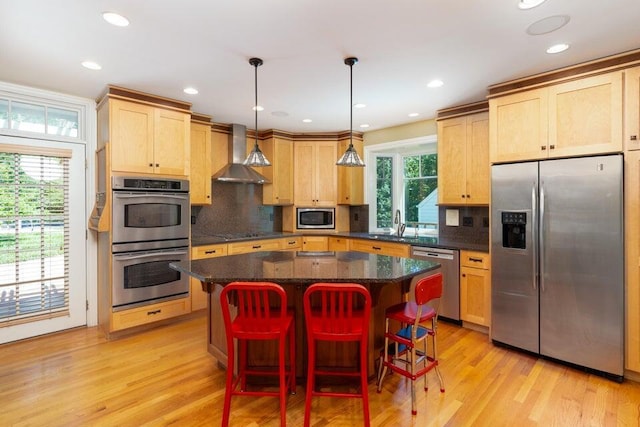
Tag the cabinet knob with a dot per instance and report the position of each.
(551, 147)
(150, 165)
(543, 147)
(464, 275)
(463, 196)
(633, 137)
(157, 165)
(468, 196)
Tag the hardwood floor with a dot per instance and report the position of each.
(166, 377)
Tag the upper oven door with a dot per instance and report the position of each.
(142, 216)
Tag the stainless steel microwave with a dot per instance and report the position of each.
(316, 218)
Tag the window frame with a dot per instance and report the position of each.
(397, 150)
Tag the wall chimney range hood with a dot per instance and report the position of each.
(235, 171)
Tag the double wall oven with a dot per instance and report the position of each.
(150, 229)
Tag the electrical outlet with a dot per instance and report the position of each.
(467, 221)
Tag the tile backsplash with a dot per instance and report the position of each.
(235, 208)
(473, 223)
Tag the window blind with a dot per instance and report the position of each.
(34, 236)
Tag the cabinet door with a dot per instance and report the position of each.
(219, 151)
(585, 116)
(518, 126)
(171, 148)
(478, 166)
(304, 172)
(452, 136)
(200, 171)
(315, 243)
(350, 179)
(338, 244)
(475, 295)
(131, 137)
(280, 153)
(632, 263)
(326, 176)
(632, 108)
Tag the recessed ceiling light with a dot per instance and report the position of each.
(557, 48)
(414, 114)
(307, 120)
(91, 65)
(115, 19)
(190, 90)
(364, 125)
(435, 83)
(359, 105)
(258, 108)
(529, 4)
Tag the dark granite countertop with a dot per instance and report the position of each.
(306, 268)
(424, 241)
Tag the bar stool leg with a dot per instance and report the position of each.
(311, 377)
(292, 360)
(382, 371)
(414, 409)
(283, 383)
(364, 383)
(435, 357)
(229, 384)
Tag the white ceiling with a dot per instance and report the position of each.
(401, 46)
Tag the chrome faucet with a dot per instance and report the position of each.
(398, 221)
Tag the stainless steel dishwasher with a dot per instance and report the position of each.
(449, 259)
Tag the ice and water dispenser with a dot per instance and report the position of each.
(514, 226)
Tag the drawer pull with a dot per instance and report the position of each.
(211, 252)
(475, 259)
(291, 242)
(377, 248)
(150, 313)
(256, 246)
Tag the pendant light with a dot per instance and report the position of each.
(350, 157)
(256, 157)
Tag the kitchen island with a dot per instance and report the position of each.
(387, 278)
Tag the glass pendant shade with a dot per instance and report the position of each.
(256, 158)
(350, 157)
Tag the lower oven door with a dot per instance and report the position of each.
(145, 277)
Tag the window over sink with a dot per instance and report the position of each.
(403, 177)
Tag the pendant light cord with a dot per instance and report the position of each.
(255, 104)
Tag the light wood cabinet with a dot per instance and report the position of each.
(147, 139)
(200, 172)
(253, 246)
(315, 243)
(632, 108)
(279, 152)
(632, 263)
(380, 248)
(338, 243)
(315, 173)
(198, 296)
(219, 150)
(149, 313)
(291, 243)
(463, 160)
(475, 287)
(575, 118)
(350, 179)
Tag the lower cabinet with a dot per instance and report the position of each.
(475, 287)
(338, 244)
(198, 296)
(149, 313)
(380, 248)
(315, 243)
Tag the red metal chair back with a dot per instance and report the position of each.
(428, 288)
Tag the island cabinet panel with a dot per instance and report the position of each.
(632, 108)
(463, 160)
(575, 118)
(632, 263)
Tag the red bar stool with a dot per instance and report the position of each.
(404, 347)
(337, 312)
(257, 320)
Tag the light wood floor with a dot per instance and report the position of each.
(166, 377)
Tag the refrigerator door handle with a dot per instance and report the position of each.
(541, 237)
(534, 230)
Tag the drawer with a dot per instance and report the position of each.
(253, 246)
(475, 259)
(208, 251)
(380, 248)
(291, 243)
(338, 244)
(150, 313)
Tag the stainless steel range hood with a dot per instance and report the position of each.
(235, 171)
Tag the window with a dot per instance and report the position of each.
(404, 178)
(37, 118)
(34, 256)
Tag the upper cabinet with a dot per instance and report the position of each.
(200, 176)
(315, 173)
(579, 117)
(279, 151)
(350, 179)
(463, 159)
(145, 137)
(632, 108)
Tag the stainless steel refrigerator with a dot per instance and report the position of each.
(557, 256)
